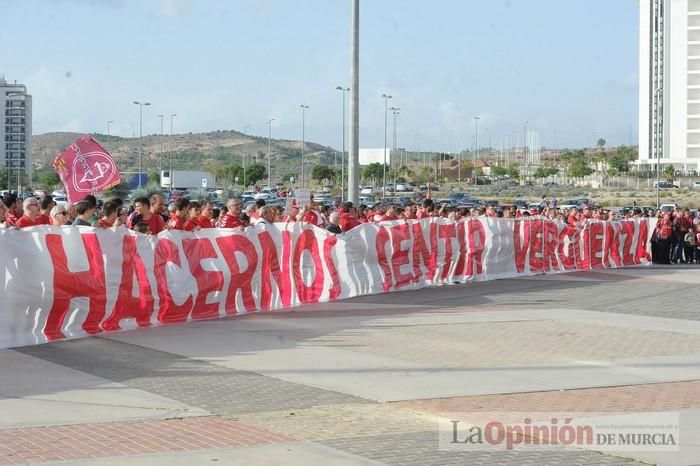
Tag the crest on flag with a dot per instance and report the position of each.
(85, 167)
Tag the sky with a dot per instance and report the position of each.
(567, 67)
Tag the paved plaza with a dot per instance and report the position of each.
(367, 380)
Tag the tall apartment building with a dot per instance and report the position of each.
(669, 84)
(16, 132)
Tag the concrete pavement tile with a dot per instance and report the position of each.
(42, 393)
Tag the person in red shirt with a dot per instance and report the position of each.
(348, 219)
(46, 203)
(313, 216)
(427, 209)
(31, 212)
(664, 235)
(12, 203)
(194, 210)
(232, 218)
(142, 213)
(3, 211)
(205, 218)
(177, 219)
(110, 215)
(389, 215)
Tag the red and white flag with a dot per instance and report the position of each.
(86, 168)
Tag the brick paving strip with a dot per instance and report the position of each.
(83, 441)
(669, 396)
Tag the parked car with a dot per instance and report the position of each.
(666, 185)
(696, 185)
(367, 190)
(668, 207)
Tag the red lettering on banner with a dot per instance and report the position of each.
(462, 252)
(581, 251)
(328, 244)
(642, 243)
(208, 281)
(399, 256)
(270, 269)
(551, 241)
(611, 248)
(447, 232)
(567, 248)
(627, 252)
(595, 241)
(521, 246)
(536, 246)
(307, 242)
(421, 252)
(380, 244)
(68, 285)
(127, 306)
(167, 253)
(476, 248)
(243, 281)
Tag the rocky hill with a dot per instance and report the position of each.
(189, 151)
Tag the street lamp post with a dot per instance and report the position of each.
(170, 168)
(269, 152)
(525, 151)
(140, 104)
(342, 157)
(394, 111)
(386, 109)
(109, 123)
(476, 148)
(245, 153)
(303, 124)
(160, 159)
(658, 146)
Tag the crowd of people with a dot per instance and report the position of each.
(676, 238)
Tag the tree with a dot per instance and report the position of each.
(48, 178)
(323, 172)
(499, 170)
(579, 166)
(544, 172)
(513, 172)
(600, 143)
(669, 173)
(154, 178)
(618, 163)
(255, 173)
(373, 171)
(3, 178)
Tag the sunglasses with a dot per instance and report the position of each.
(62, 213)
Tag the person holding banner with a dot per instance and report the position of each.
(110, 215)
(232, 217)
(85, 213)
(177, 219)
(46, 203)
(142, 213)
(59, 216)
(205, 219)
(3, 212)
(11, 215)
(31, 213)
(193, 216)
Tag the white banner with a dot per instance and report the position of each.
(66, 282)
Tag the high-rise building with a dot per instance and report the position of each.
(16, 133)
(669, 84)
